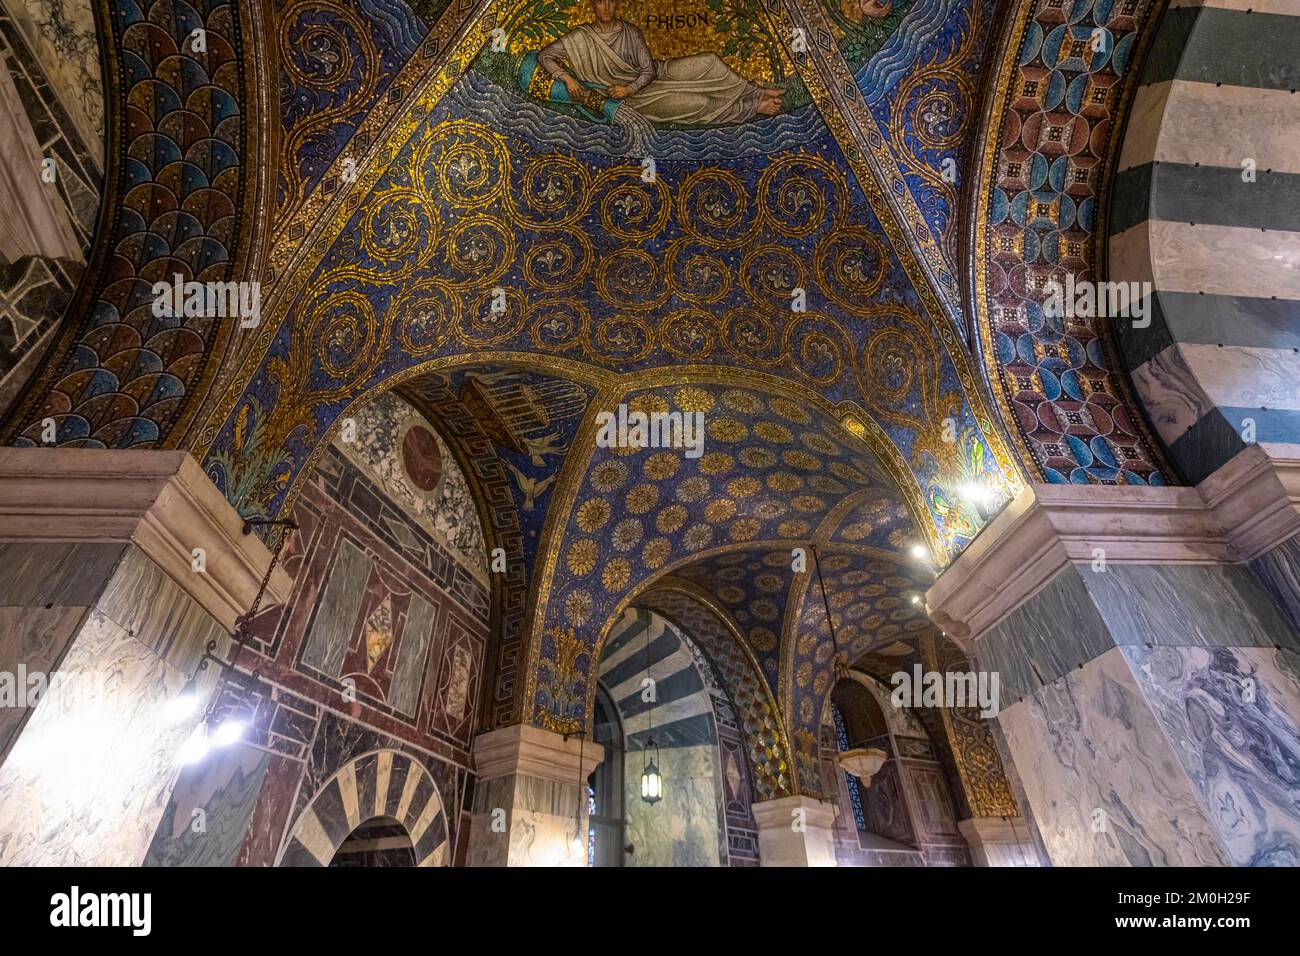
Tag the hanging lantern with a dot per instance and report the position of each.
(652, 782)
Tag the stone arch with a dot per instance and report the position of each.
(767, 748)
(689, 827)
(1204, 213)
(579, 595)
(909, 803)
(382, 783)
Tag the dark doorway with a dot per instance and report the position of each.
(380, 841)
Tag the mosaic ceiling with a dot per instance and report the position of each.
(772, 236)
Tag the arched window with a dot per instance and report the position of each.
(859, 722)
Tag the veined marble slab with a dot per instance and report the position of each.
(1232, 715)
(1106, 787)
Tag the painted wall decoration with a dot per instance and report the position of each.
(398, 449)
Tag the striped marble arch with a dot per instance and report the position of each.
(1206, 208)
(383, 783)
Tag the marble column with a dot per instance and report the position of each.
(795, 831)
(529, 809)
(104, 602)
(1150, 682)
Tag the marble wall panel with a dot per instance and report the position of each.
(1089, 750)
(740, 828)
(395, 621)
(409, 672)
(544, 823)
(1048, 636)
(1187, 604)
(488, 845)
(156, 610)
(1279, 571)
(62, 37)
(208, 815)
(934, 815)
(87, 781)
(269, 820)
(884, 806)
(1232, 716)
(32, 640)
(682, 829)
(39, 573)
(336, 614)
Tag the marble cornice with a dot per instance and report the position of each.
(1245, 508)
(160, 501)
(1256, 497)
(534, 752)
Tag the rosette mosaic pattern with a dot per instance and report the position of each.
(1041, 206)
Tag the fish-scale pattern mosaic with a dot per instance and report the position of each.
(1039, 220)
(126, 376)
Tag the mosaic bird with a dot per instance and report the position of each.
(531, 487)
(546, 445)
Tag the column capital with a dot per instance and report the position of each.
(999, 841)
(534, 752)
(1248, 506)
(160, 501)
(780, 843)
